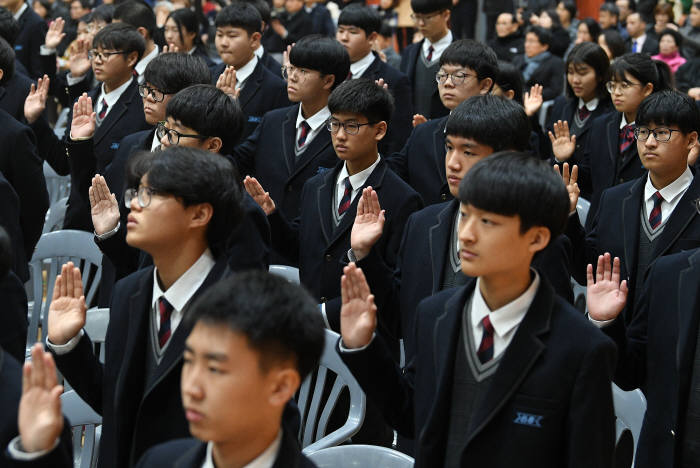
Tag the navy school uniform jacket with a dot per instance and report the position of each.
(421, 162)
(321, 249)
(271, 64)
(10, 221)
(13, 93)
(58, 84)
(32, 30)
(263, 91)
(557, 371)
(409, 57)
(656, 352)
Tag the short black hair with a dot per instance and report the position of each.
(544, 36)
(173, 72)
(490, 120)
(194, 176)
(7, 61)
(104, 12)
(279, 319)
(514, 183)
(670, 107)
(615, 42)
(85, 4)
(137, 14)
(386, 29)
(674, 34)
(362, 96)
(429, 6)
(632, 5)
(362, 17)
(594, 56)
(239, 15)
(592, 26)
(570, 6)
(186, 19)
(120, 36)
(323, 54)
(263, 8)
(643, 68)
(472, 54)
(610, 8)
(554, 16)
(210, 112)
(510, 79)
(9, 27)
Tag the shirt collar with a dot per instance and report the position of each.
(246, 70)
(155, 144)
(623, 122)
(182, 290)
(510, 315)
(113, 96)
(438, 45)
(672, 190)
(264, 460)
(145, 60)
(590, 105)
(358, 180)
(316, 120)
(359, 67)
(259, 52)
(21, 10)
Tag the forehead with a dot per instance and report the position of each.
(173, 123)
(218, 341)
(230, 30)
(457, 140)
(455, 67)
(347, 116)
(653, 126)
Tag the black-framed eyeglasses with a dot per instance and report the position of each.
(661, 134)
(457, 78)
(611, 86)
(290, 70)
(94, 54)
(156, 94)
(143, 196)
(424, 18)
(173, 135)
(351, 128)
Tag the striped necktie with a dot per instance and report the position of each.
(655, 215)
(347, 198)
(165, 309)
(485, 351)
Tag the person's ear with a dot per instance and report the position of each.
(201, 214)
(132, 59)
(692, 136)
(328, 81)
(648, 89)
(446, 14)
(510, 94)
(213, 144)
(539, 238)
(372, 37)
(485, 85)
(2, 73)
(144, 33)
(284, 382)
(255, 40)
(380, 130)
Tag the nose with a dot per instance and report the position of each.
(466, 230)
(191, 387)
(134, 205)
(452, 160)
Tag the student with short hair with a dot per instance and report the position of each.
(181, 30)
(267, 60)
(608, 16)
(139, 15)
(540, 66)
(263, 335)
(30, 35)
(488, 353)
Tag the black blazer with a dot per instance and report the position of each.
(409, 56)
(322, 21)
(32, 30)
(656, 353)
(271, 64)
(650, 46)
(557, 366)
(421, 162)
(401, 122)
(10, 215)
(263, 91)
(58, 84)
(135, 416)
(13, 333)
(13, 93)
(615, 229)
(550, 74)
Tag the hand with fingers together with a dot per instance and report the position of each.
(67, 309)
(606, 296)
(382, 83)
(79, 62)
(285, 55)
(563, 143)
(368, 225)
(418, 119)
(104, 208)
(532, 101)
(172, 48)
(259, 194)
(35, 103)
(83, 124)
(40, 420)
(570, 180)
(227, 82)
(55, 34)
(358, 314)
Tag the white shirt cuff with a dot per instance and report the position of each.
(343, 349)
(108, 234)
(73, 80)
(600, 323)
(16, 451)
(43, 50)
(65, 348)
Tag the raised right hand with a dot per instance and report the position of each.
(606, 296)
(83, 124)
(418, 119)
(563, 144)
(35, 103)
(67, 309)
(55, 33)
(368, 225)
(79, 62)
(259, 194)
(103, 206)
(226, 82)
(358, 314)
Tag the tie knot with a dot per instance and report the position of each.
(431, 49)
(164, 307)
(348, 185)
(658, 198)
(305, 126)
(488, 326)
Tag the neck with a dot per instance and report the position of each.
(438, 36)
(660, 181)
(360, 164)
(243, 64)
(15, 9)
(312, 106)
(630, 116)
(114, 84)
(500, 290)
(171, 267)
(150, 45)
(238, 453)
(363, 55)
(566, 23)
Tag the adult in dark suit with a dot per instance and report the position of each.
(639, 40)
(539, 66)
(32, 30)
(509, 41)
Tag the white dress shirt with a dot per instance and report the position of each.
(316, 122)
(111, 97)
(356, 180)
(438, 46)
(264, 460)
(623, 122)
(640, 42)
(143, 63)
(21, 10)
(590, 105)
(671, 194)
(361, 66)
(155, 144)
(259, 52)
(245, 71)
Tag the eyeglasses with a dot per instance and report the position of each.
(424, 18)
(611, 86)
(457, 78)
(290, 70)
(661, 134)
(351, 128)
(156, 94)
(143, 196)
(103, 56)
(173, 135)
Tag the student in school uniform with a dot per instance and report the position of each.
(358, 27)
(14, 85)
(13, 334)
(182, 30)
(267, 60)
(32, 29)
(467, 68)
(654, 215)
(292, 144)
(237, 37)
(500, 361)
(421, 61)
(184, 202)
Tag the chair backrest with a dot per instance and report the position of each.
(624, 445)
(52, 251)
(544, 112)
(57, 186)
(316, 409)
(85, 423)
(96, 321)
(289, 273)
(55, 216)
(630, 408)
(351, 456)
(582, 207)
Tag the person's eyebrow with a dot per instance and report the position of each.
(221, 357)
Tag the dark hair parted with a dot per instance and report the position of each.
(610, 8)
(210, 112)
(592, 55)
(173, 72)
(510, 79)
(615, 43)
(670, 107)
(102, 12)
(643, 68)
(279, 319)
(517, 184)
(9, 27)
(362, 96)
(490, 120)
(592, 26)
(120, 36)
(362, 17)
(544, 36)
(7, 61)
(239, 15)
(677, 38)
(429, 6)
(186, 19)
(472, 54)
(570, 6)
(137, 14)
(664, 9)
(194, 176)
(323, 54)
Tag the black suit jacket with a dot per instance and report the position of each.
(557, 366)
(32, 30)
(322, 21)
(136, 415)
(262, 92)
(271, 64)
(656, 352)
(13, 333)
(421, 162)
(409, 56)
(550, 74)
(13, 93)
(650, 46)
(10, 221)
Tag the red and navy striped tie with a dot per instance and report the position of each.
(626, 137)
(655, 215)
(485, 351)
(305, 127)
(345, 201)
(165, 310)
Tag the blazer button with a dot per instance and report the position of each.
(673, 433)
(622, 181)
(443, 197)
(323, 299)
(329, 257)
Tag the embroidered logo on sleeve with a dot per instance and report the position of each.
(527, 419)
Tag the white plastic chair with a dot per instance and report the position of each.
(55, 216)
(544, 110)
(86, 429)
(96, 322)
(630, 408)
(315, 412)
(57, 186)
(582, 207)
(353, 456)
(287, 272)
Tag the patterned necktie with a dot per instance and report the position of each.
(305, 128)
(165, 310)
(583, 112)
(485, 351)
(655, 215)
(429, 57)
(103, 111)
(626, 137)
(345, 201)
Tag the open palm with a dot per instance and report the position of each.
(104, 208)
(563, 143)
(67, 309)
(606, 296)
(358, 314)
(368, 225)
(83, 123)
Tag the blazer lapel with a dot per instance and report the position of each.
(439, 148)
(682, 216)
(631, 209)
(193, 457)
(119, 108)
(438, 239)
(289, 136)
(252, 85)
(323, 194)
(613, 134)
(317, 145)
